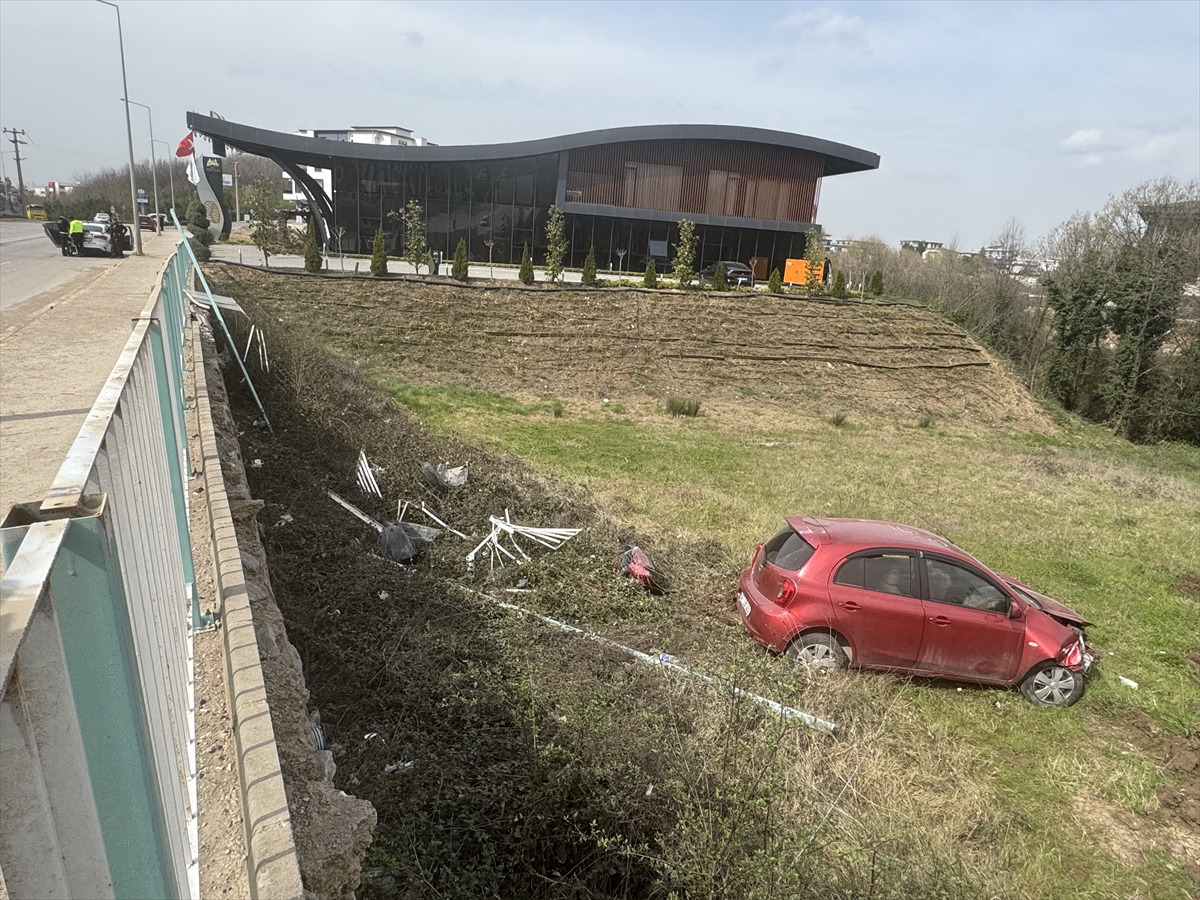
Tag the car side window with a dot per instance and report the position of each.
(887, 573)
(951, 583)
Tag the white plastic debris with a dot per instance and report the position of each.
(551, 538)
(1128, 682)
(284, 519)
(402, 766)
(384, 595)
(366, 475)
(258, 463)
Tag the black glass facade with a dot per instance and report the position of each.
(506, 202)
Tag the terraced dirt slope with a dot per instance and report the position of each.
(862, 359)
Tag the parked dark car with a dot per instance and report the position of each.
(146, 221)
(735, 274)
(879, 595)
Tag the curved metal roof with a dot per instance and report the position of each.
(321, 153)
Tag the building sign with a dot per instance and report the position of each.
(227, 180)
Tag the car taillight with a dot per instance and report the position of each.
(1071, 656)
(787, 590)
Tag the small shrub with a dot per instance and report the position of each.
(683, 406)
(926, 421)
(837, 420)
(839, 286)
(589, 268)
(200, 248)
(775, 282)
(526, 273)
(650, 279)
(557, 409)
(313, 257)
(876, 285)
(458, 271)
(719, 283)
(378, 255)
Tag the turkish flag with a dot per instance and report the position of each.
(185, 146)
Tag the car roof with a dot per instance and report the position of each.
(869, 533)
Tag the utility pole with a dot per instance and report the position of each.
(17, 153)
(237, 202)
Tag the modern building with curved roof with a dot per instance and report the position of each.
(751, 192)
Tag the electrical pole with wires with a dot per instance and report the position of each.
(17, 153)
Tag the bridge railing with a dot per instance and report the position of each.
(97, 612)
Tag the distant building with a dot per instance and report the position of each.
(841, 246)
(377, 135)
(921, 246)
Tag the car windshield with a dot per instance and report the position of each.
(788, 550)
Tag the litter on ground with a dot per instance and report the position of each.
(551, 538)
(632, 562)
(443, 479)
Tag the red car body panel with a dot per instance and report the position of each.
(888, 630)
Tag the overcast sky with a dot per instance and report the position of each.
(981, 112)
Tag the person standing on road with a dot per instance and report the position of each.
(64, 234)
(117, 235)
(77, 236)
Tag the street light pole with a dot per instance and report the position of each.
(137, 231)
(153, 165)
(170, 169)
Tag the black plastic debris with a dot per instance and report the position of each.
(632, 562)
(443, 479)
(395, 544)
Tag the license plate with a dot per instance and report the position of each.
(744, 605)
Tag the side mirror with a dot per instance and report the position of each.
(1014, 611)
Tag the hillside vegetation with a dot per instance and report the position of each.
(543, 765)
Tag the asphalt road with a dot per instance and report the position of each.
(31, 266)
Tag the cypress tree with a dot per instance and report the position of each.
(458, 271)
(526, 273)
(876, 285)
(650, 280)
(719, 282)
(839, 286)
(775, 282)
(313, 257)
(378, 255)
(589, 268)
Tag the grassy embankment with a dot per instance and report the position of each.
(1109, 528)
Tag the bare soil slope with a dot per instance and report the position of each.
(862, 359)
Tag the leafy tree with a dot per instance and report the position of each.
(459, 270)
(526, 271)
(416, 252)
(839, 286)
(876, 285)
(589, 268)
(264, 202)
(313, 257)
(685, 254)
(378, 255)
(775, 282)
(650, 279)
(814, 255)
(556, 245)
(719, 282)
(1079, 326)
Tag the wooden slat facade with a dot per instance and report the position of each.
(720, 178)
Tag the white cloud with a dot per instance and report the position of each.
(849, 31)
(1083, 139)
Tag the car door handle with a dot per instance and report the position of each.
(939, 620)
(850, 605)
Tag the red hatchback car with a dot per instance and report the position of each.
(837, 592)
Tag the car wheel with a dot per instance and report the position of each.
(819, 650)
(1052, 685)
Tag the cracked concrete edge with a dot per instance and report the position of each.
(273, 867)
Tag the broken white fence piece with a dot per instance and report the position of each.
(425, 509)
(666, 661)
(201, 300)
(350, 507)
(551, 538)
(366, 477)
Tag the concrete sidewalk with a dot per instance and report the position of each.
(55, 360)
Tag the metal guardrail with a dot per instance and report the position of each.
(97, 612)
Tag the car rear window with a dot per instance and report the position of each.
(787, 550)
(887, 573)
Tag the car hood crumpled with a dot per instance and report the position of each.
(1050, 606)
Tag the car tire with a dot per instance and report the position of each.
(1052, 685)
(820, 650)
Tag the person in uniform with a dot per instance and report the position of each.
(77, 235)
